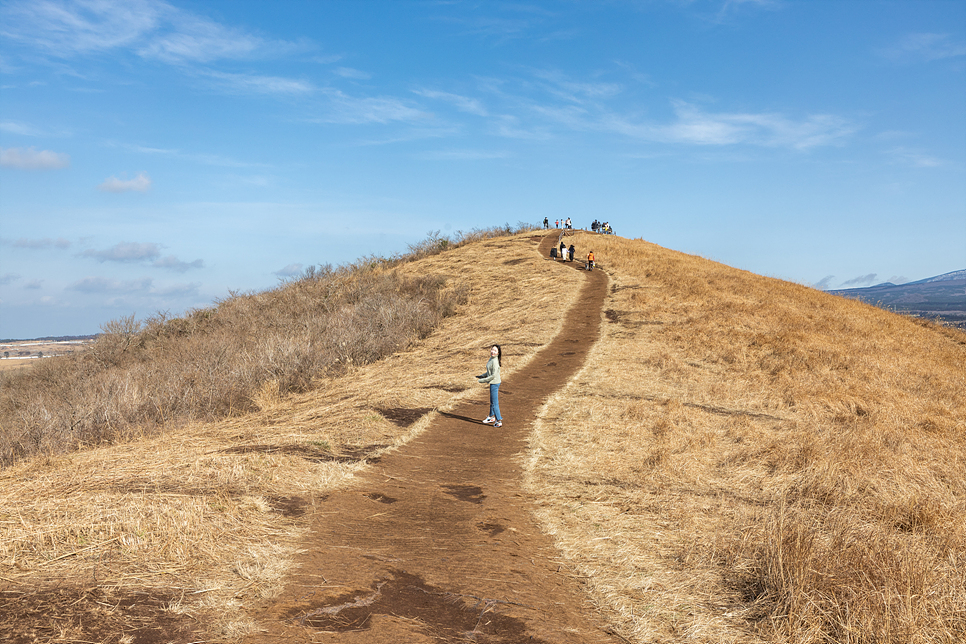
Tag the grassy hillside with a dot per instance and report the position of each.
(742, 459)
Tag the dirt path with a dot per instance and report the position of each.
(435, 543)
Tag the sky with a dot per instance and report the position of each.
(159, 156)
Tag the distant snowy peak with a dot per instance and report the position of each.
(945, 277)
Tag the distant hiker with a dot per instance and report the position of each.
(563, 252)
(556, 223)
(546, 223)
(590, 261)
(492, 378)
(571, 250)
(568, 224)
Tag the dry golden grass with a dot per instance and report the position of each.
(747, 459)
(213, 512)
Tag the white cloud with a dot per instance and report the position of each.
(67, 28)
(926, 47)
(173, 263)
(376, 109)
(151, 28)
(105, 285)
(22, 129)
(349, 72)
(915, 158)
(292, 270)
(863, 280)
(126, 252)
(140, 183)
(462, 103)
(32, 159)
(46, 242)
(198, 39)
(692, 125)
(469, 155)
(261, 84)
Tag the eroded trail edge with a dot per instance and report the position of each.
(436, 542)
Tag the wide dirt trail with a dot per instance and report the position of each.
(435, 542)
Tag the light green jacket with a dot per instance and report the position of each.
(492, 375)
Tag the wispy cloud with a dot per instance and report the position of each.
(150, 28)
(369, 109)
(37, 244)
(9, 278)
(291, 270)
(174, 264)
(106, 285)
(12, 127)
(861, 280)
(140, 183)
(925, 47)
(125, 252)
(824, 283)
(695, 126)
(349, 72)
(462, 103)
(915, 158)
(32, 159)
(464, 155)
(253, 83)
(142, 253)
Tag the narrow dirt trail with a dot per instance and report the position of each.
(435, 543)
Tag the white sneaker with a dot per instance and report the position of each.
(498, 423)
(489, 420)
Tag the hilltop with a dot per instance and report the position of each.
(739, 459)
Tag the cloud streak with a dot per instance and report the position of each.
(32, 159)
(140, 183)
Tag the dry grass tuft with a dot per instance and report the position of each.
(743, 458)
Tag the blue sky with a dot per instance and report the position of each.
(155, 156)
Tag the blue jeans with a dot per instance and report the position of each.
(495, 402)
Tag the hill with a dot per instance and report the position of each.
(942, 297)
(740, 459)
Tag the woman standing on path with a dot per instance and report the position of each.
(492, 378)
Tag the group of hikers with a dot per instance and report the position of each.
(596, 227)
(557, 223)
(565, 254)
(604, 228)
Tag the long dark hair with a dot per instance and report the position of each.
(499, 354)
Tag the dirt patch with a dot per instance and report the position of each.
(381, 498)
(453, 389)
(492, 528)
(442, 615)
(404, 417)
(314, 453)
(96, 614)
(468, 493)
(289, 506)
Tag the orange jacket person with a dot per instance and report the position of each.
(590, 261)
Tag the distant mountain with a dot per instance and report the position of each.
(940, 297)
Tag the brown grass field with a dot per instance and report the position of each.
(741, 460)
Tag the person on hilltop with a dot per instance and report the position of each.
(546, 223)
(492, 378)
(556, 223)
(568, 225)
